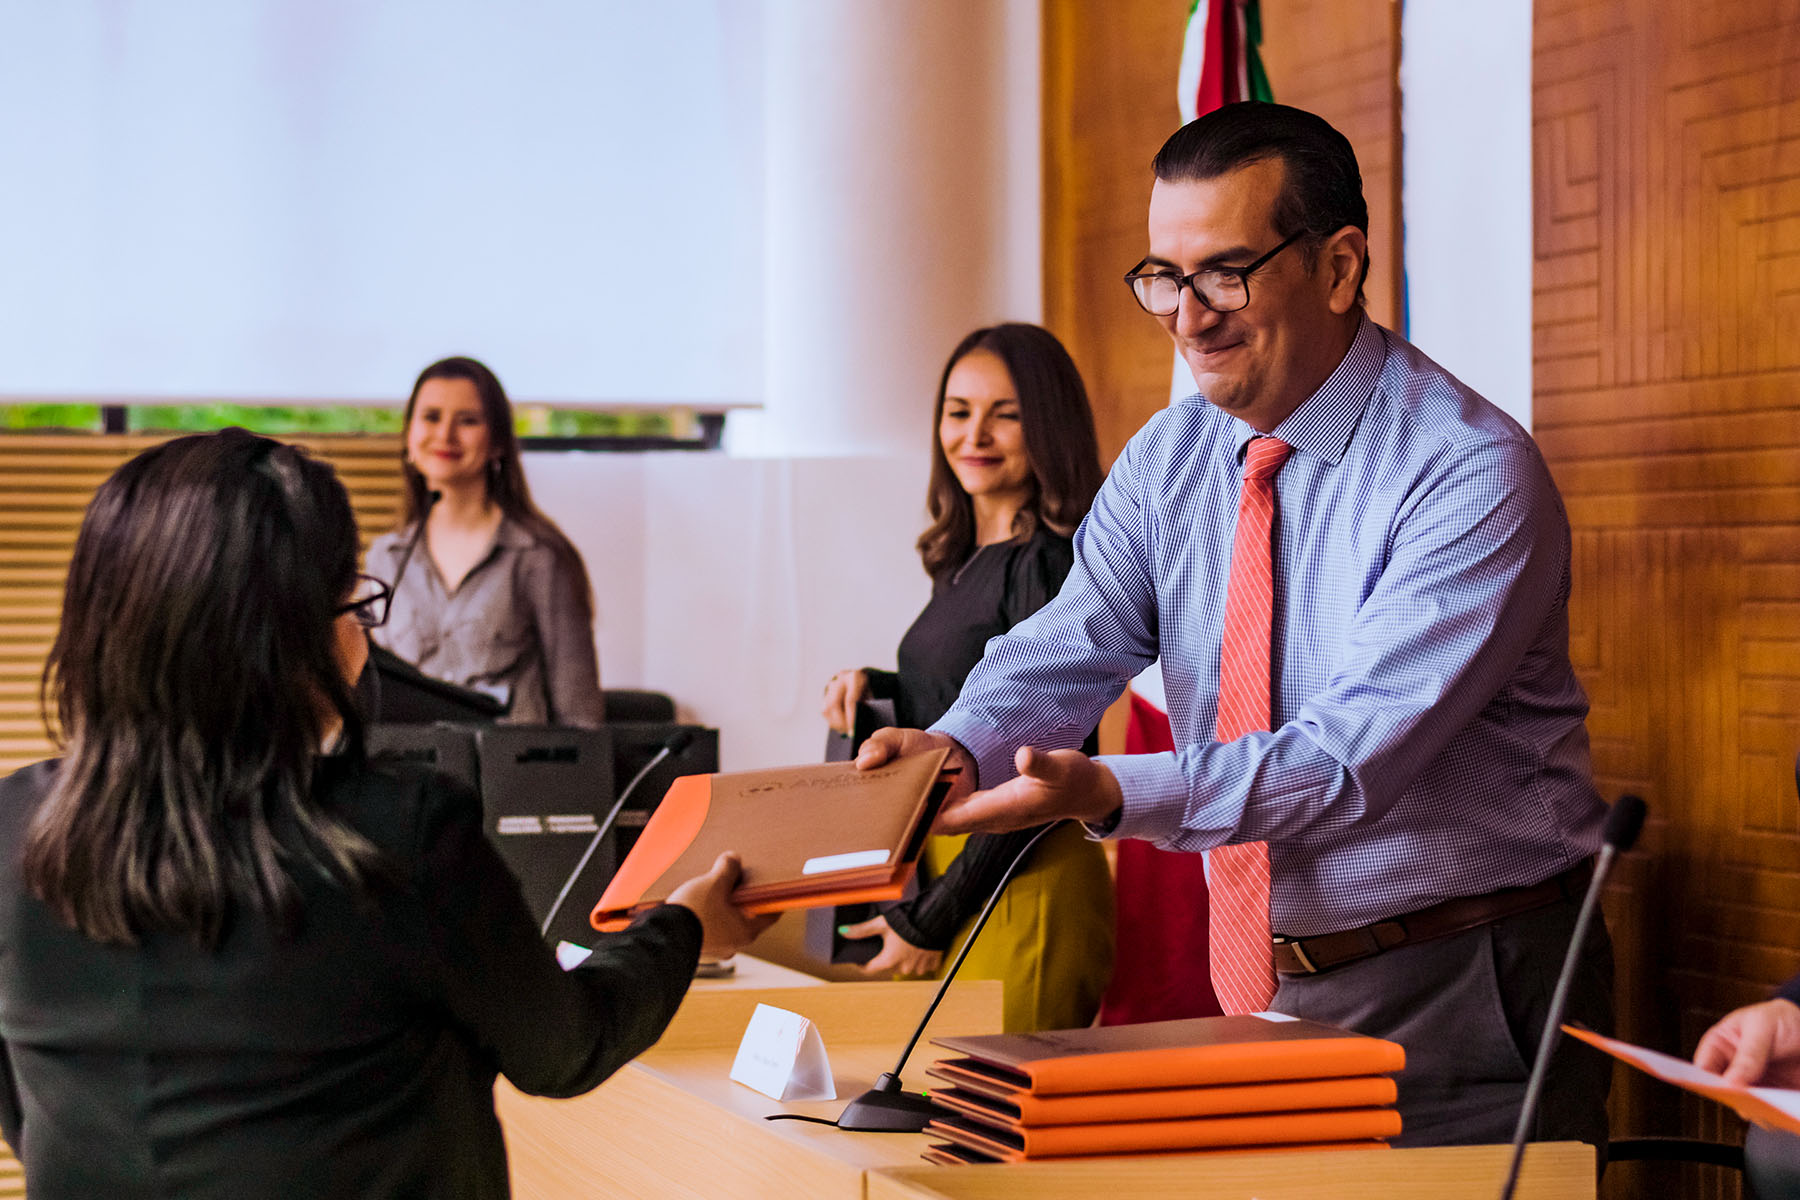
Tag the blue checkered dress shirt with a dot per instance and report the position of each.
(1429, 739)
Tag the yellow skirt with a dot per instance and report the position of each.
(1050, 940)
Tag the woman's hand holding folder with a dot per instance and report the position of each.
(897, 954)
(727, 929)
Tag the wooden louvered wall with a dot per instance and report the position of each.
(45, 484)
(1667, 400)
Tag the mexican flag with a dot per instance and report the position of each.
(1219, 62)
(1161, 971)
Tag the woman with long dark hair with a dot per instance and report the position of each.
(235, 959)
(493, 595)
(1014, 467)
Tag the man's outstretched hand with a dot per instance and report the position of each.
(1051, 785)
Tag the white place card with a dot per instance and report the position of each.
(783, 1057)
(569, 955)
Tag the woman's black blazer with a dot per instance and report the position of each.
(354, 1059)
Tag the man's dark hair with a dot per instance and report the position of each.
(1323, 187)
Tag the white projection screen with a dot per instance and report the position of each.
(305, 201)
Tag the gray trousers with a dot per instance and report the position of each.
(1469, 1009)
(1772, 1164)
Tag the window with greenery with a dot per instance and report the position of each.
(51, 418)
(539, 426)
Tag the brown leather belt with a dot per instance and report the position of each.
(1310, 955)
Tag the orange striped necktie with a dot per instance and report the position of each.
(1243, 966)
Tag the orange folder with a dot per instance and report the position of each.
(1133, 1137)
(807, 836)
(949, 1154)
(1200, 1051)
(1020, 1108)
(1772, 1108)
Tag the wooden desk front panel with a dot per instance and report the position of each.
(673, 1124)
(1552, 1171)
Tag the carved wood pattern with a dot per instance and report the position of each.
(1666, 152)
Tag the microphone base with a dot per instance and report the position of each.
(884, 1108)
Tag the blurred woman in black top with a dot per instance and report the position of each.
(233, 965)
(1014, 468)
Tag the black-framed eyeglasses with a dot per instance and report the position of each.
(1222, 289)
(369, 602)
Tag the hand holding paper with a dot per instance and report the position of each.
(1773, 1107)
(1756, 1044)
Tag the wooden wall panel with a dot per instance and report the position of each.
(1341, 59)
(45, 484)
(1666, 211)
(1109, 103)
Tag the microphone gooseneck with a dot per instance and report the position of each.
(412, 544)
(885, 1108)
(1623, 823)
(678, 741)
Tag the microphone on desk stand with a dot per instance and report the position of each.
(673, 745)
(412, 544)
(1622, 826)
(885, 1108)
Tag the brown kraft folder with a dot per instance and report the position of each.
(1131, 1137)
(1156, 1104)
(1201, 1051)
(949, 1154)
(807, 836)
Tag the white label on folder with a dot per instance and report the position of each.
(1274, 1016)
(844, 862)
(783, 1057)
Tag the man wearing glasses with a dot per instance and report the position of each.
(1356, 574)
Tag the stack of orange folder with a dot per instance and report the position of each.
(1214, 1084)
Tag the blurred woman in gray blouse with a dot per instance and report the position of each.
(493, 596)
